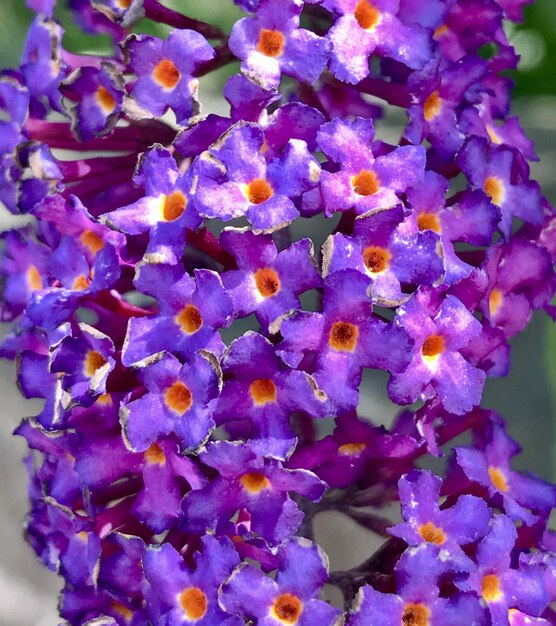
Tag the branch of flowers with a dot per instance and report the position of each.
(375, 523)
(124, 138)
(205, 241)
(97, 166)
(118, 306)
(74, 61)
(159, 13)
(393, 93)
(308, 96)
(370, 571)
(223, 57)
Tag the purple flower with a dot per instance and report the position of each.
(249, 481)
(190, 312)
(263, 283)
(382, 250)
(446, 529)
(364, 27)
(94, 100)
(235, 180)
(290, 598)
(363, 181)
(343, 339)
(272, 42)
(176, 401)
(500, 586)
(181, 594)
(165, 71)
(488, 464)
(490, 170)
(440, 330)
(259, 389)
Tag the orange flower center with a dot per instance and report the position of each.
(433, 346)
(415, 615)
(366, 15)
(490, 588)
(174, 205)
(263, 391)
(189, 319)
(432, 106)
(494, 300)
(343, 336)
(178, 397)
(428, 221)
(259, 191)
(193, 602)
(432, 534)
(91, 241)
(497, 478)
(93, 361)
(154, 455)
(166, 74)
(352, 449)
(81, 283)
(34, 279)
(271, 43)
(105, 100)
(267, 282)
(376, 259)
(287, 608)
(365, 183)
(254, 483)
(494, 189)
(122, 611)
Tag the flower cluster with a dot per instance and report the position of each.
(188, 341)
